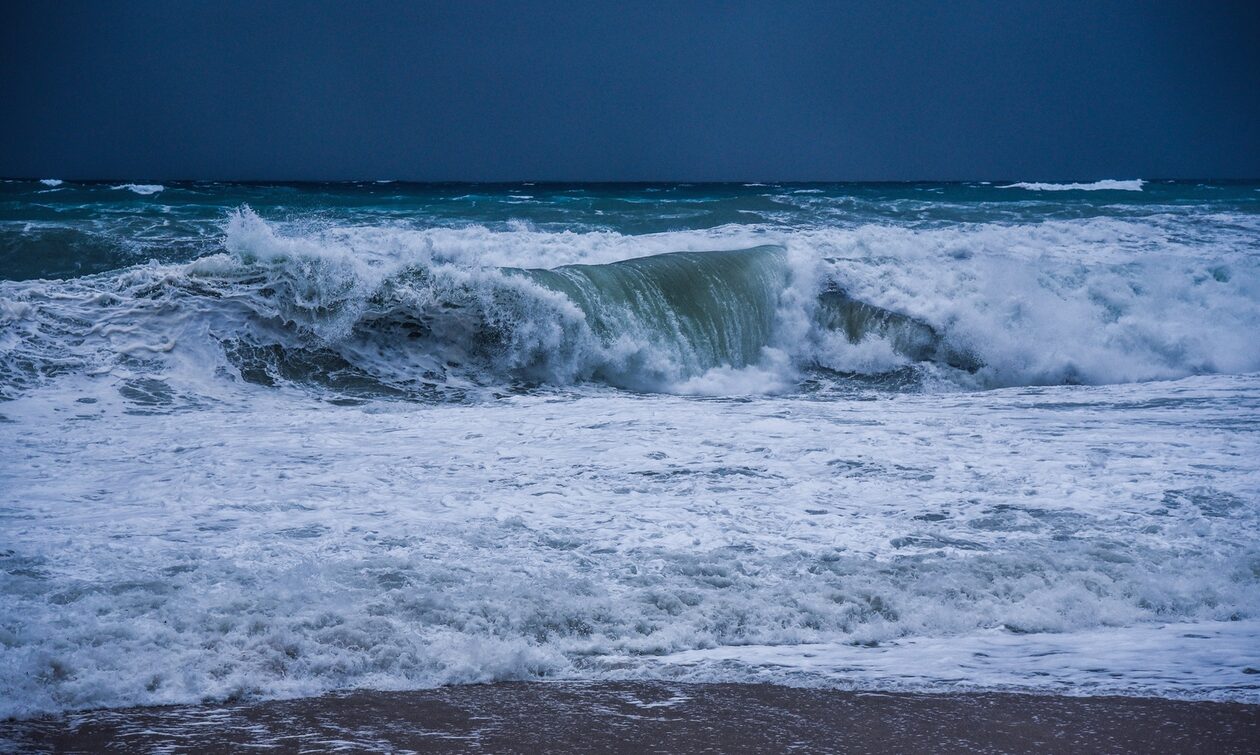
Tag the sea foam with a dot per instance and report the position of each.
(143, 189)
(872, 437)
(1103, 185)
(281, 546)
(1095, 301)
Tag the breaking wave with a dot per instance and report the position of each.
(208, 499)
(1109, 184)
(143, 189)
(437, 313)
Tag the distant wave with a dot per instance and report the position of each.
(1109, 184)
(51, 181)
(141, 188)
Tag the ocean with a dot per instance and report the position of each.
(264, 441)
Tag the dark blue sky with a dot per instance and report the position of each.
(630, 91)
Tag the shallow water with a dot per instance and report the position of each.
(890, 437)
(635, 717)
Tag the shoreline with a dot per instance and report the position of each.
(653, 717)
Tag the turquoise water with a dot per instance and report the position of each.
(79, 228)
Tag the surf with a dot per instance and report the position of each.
(435, 314)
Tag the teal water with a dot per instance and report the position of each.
(80, 228)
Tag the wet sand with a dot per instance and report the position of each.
(656, 717)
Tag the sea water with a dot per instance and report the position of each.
(273, 440)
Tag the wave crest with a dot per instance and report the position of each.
(434, 313)
(143, 189)
(1108, 184)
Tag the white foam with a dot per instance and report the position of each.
(1094, 301)
(174, 532)
(272, 544)
(144, 189)
(1207, 660)
(1103, 185)
(773, 374)
(1100, 300)
(51, 181)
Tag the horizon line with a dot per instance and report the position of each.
(616, 182)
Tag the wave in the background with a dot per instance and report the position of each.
(142, 189)
(1107, 184)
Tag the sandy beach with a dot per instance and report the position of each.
(656, 717)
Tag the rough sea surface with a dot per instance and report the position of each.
(269, 441)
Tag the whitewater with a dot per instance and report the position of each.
(265, 441)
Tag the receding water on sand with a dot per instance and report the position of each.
(660, 717)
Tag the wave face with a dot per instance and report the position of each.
(917, 436)
(675, 315)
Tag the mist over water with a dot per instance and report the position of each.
(271, 440)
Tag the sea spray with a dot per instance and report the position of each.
(984, 306)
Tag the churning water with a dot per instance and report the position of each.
(272, 440)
